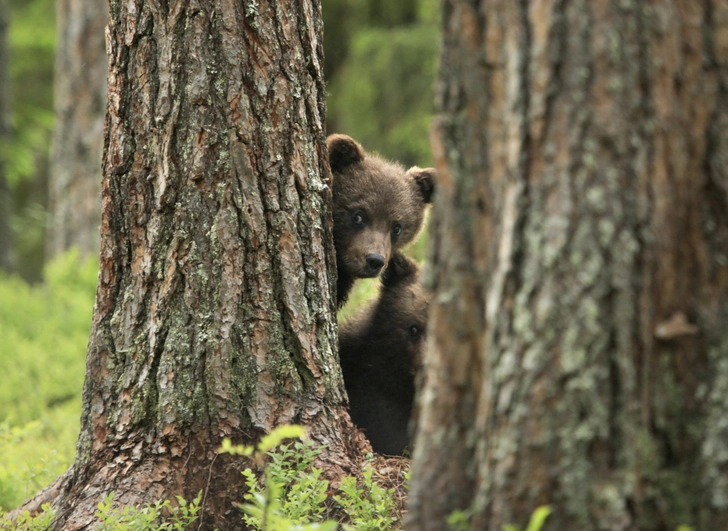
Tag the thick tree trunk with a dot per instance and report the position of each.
(579, 347)
(5, 199)
(80, 97)
(215, 314)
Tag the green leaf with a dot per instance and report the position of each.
(538, 518)
(278, 435)
(238, 449)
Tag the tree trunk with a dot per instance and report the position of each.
(215, 314)
(80, 97)
(5, 199)
(579, 347)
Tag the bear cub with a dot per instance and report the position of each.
(378, 207)
(380, 351)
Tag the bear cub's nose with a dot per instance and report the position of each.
(375, 262)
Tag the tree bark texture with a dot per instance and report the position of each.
(215, 314)
(6, 234)
(578, 351)
(80, 99)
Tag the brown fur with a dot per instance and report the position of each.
(380, 350)
(373, 200)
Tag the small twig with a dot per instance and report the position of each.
(204, 497)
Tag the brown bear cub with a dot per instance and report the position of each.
(378, 208)
(380, 350)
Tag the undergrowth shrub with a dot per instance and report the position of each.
(369, 506)
(295, 486)
(292, 495)
(25, 522)
(159, 516)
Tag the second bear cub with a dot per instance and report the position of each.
(378, 208)
(380, 350)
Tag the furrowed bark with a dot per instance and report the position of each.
(578, 346)
(215, 311)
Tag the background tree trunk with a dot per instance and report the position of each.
(214, 313)
(579, 347)
(5, 199)
(74, 198)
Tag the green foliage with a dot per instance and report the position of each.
(25, 153)
(294, 490)
(26, 522)
(32, 39)
(462, 520)
(383, 95)
(380, 64)
(292, 495)
(538, 518)
(34, 454)
(369, 506)
(159, 516)
(267, 443)
(44, 330)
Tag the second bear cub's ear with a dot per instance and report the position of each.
(343, 151)
(399, 269)
(425, 181)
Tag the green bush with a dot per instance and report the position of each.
(27, 522)
(369, 506)
(159, 516)
(292, 495)
(383, 94)
(34, 454)
(31, 39)
(297, 485)
(44, 331)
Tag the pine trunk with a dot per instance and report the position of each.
(6, 234)
(215, 314)
(80, 97)
(579, 347)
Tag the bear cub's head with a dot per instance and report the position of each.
(379, 206)
(400, 313)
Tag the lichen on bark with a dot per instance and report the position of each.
(215, 311)
(579, 213)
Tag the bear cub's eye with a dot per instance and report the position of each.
(357, 218)
(414, 330)
(397, 229)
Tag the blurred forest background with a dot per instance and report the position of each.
(380, 68)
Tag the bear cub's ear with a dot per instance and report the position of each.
(425, 181)
(343, 152)
(399, 269)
